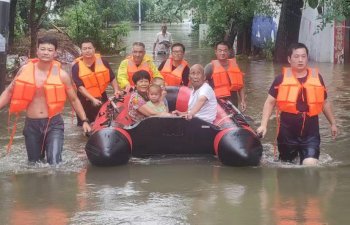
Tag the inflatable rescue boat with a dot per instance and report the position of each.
(114, 138)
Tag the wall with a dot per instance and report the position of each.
(320, 44)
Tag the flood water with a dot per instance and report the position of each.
(192, 190)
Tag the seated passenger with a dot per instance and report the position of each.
(156, 101)
(202, 103)
(138, 109)
(160, 82)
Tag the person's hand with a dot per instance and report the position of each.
(189, 115)
(127, 88)
(334, 131)
(175, 112)
(117, 93)
(243, 106)
(261, 131)
(86, 127)
(96, 102)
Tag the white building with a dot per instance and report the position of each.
(329, 45)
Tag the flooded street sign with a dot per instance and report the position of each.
(4, 30)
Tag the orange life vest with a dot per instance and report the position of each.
(290, 88)
(173, 77)
(228, 80)
(132, 68)
(25, 88)
(94, 82)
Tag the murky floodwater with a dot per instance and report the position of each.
(184, 190)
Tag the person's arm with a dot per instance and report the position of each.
(112, 78)
(328, 112)
(74, 100)
(6, 95)
(197, 106)
(86, 94)
(170, 39)
(267, 111)
(147, 111)
(241, 96)
(122, 75)
(155, 44)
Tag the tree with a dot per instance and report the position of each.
(38, 10)
(85, 20)
(288, 28)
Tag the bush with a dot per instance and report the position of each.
(84, 21)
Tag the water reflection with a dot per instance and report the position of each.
(47, 198)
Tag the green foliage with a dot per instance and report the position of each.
(268, 50)
(19, 26)
(167, 11)
(313, 3)
(330, 11)
(238, 13)
(84, 20)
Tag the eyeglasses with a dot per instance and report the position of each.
(178, 52)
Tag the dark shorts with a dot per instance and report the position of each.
(290, 146)
(42, 138)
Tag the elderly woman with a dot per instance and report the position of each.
(138, 109)
(202, 103)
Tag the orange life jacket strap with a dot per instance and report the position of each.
(44, 139)
(13, 132)
(303, 126)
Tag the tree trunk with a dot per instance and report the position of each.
(12, 23)
(288, 28)
(32, 29)
(35, 19)
(244, 41)
(231, 36)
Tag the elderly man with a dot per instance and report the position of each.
(163, 41)
(300, 95)
(175, 69)
(202, 103)
(136, 62)
(225, 77)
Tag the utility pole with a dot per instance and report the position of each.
(139, 12)
(4, 32)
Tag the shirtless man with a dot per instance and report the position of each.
(40, 88)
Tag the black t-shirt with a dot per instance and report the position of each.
(185, 72)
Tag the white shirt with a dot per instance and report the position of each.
(208, 110)
(160, 38)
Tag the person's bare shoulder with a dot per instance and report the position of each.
(65, 78)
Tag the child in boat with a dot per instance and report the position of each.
(160, 82)
(156, 100)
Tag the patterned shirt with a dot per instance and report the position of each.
(136, 101)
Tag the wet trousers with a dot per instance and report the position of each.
(44, 137)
